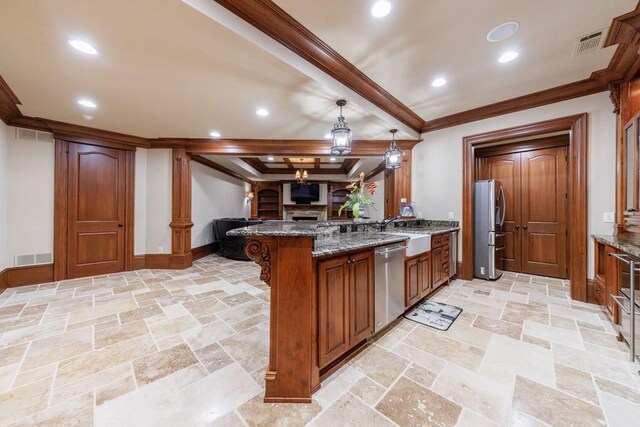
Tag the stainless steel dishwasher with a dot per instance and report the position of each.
(389, 279)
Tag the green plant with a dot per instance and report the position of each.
(360, 197)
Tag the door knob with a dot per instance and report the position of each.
(525, 227)
(120, 225)
(517, 227)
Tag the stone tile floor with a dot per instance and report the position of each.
(190, 348)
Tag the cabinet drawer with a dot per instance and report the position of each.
(598, 293)
(440, 240)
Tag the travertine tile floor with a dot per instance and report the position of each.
(173, 348)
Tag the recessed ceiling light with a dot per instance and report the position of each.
(262, 112)
(333, 159)
(87, 117)
(502, 31)
(439, 82)
(83, 47)
(87, 103)
(508, 56)
(381, 9)
(270, 158)
(327, 136)
(214, 134)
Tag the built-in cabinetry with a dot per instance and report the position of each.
(606, 281)
(426, 272)
(267, 202)
(345, 304)
(336, 196)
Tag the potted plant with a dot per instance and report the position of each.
(360, 197)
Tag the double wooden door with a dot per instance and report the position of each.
(535, 186)
(96, 209)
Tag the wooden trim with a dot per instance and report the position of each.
(380, 168)
(577, 186)
(60, 211)
(255, 163)
(549, 96)
(181, 209)
(348, 164)
(284, 147)
(591, 284)
(220, 168)
(202, 251)
(521, 147)
(8, 103)
(27, 275)
(269, 18)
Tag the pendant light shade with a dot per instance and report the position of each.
(341, 134)
(393, 156)
(302, 175)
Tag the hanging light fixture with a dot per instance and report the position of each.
(393, 156)
(302, 175)
(341, 134)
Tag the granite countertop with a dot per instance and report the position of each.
(277, 229)
(431, 229)
(628, 244)
(352, 241)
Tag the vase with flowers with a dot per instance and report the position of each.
(360, 197)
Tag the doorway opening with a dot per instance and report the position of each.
(576, 195)
(534, 176)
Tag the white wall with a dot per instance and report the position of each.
(214, 195)
(4, 144)
(378, 198)
(157, 217)
(437, 161)
(140, 202)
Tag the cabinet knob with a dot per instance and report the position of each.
(517, 227)
(525, 227)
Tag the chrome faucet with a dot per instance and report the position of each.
(385, 223)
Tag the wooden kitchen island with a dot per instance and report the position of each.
(322, 299)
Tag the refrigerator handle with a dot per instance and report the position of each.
(504, 206)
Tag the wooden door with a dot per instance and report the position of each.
(411, 281)
(506, 169)
(96, 208)
(424, 274)
(361, 304)
(544, 212)
(436, 267)
(333, 309)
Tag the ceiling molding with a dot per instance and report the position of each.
(549, 96)
(220, 168)
(288, 162)
(348, 164)
(281, 147)
(255, 163)
(8, 103)
(267, 17)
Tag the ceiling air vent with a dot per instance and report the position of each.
(33, 135)
(590, 42)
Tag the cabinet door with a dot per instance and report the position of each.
(361, 304)
(436, 267)
(611, 282)
(424, 274)
(411, 281)
(333, 309)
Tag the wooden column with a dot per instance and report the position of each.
(181, 210)
(397, 185)
(287, 266)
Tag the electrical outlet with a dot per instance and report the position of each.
(451, 215)
(160, 249)
(608, 217)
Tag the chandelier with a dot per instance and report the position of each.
(302, 175)
(341, 134)
(393, 156)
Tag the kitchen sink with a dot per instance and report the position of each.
(417, 244)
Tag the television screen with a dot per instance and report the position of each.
(305, 193)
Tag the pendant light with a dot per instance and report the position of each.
(301, 175)
(341, 134)
(393, 156)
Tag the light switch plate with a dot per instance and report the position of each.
(608, 217)
(451, 215)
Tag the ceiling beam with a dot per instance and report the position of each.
(311, 171)
(376, 171)
(316, 163)
(288, 162)
(220, 168)
(257, 164)
(8, 103)
(348, 164)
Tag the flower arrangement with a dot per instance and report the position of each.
(361, 196)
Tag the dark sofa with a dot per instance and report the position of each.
(231, 247)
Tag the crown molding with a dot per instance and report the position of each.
(220, 168)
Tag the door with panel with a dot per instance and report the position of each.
(424, 274)
(96, 209)
(411, 281)
(361, 304)
(333, 309)
(544, 212)
(506, 169)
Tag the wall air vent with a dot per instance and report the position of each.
(33, 135)
(33, 259)
(590, 42)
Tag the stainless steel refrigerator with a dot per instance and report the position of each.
(489, 212)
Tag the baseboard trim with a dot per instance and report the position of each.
(202, 251)
(27, 275)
